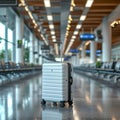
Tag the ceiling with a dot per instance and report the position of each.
(65, 18)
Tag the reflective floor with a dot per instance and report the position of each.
(92, 101)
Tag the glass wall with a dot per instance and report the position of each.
(10, 44)
(26, 44)
(7, 42)
(2, 42)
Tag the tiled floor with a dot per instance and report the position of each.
(91, 101)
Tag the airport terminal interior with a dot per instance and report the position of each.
(59, 59)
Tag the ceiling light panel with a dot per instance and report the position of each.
(52, 32)
(53, 37)
(78, 26)
(47, 3)
(49, 17)
(89, 3)
(75, 32)
(82, 18)
(54, 40)
(51, 26)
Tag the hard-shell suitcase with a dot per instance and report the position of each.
(56, 83)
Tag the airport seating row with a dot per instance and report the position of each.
(107, 71)
(10, 71)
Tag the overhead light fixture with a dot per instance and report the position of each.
(73, 37)
(47, 3)
(72, 3)
(82, 18)
(26, 8)
(78, 26)
(71, 8)
(87, 43)
(72, 40)
(75, 32)
(89, 3)
(53, 37)
(52, 32)
(54, 40)
(68, 28)
(49, 17)
(51, 26)
(69, 21)
(70, 18)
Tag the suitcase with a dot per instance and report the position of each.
(56, 83)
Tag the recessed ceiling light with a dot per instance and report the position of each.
(52, 32)
(49, 17)
(73, 37)
(89, 3)
(53, 37)
(54, 40)
(72, 40)
(82, 18)
(75, 32)
(51, 26)
(47, 3)
(78, 26)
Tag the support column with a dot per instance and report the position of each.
(36, 51)
(93, 52)
(40, 53)
(106, 44)
(31, 56)
(83, 54)
(19, 36)
(6, 43)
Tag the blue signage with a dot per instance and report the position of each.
(87, 36)
(74, 50)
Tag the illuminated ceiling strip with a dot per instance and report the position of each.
(89, 3)
(51, 26)
(49, 17)
(47, 3)
(116, 22)
(33, 20)
(78, 26)
(82, 18)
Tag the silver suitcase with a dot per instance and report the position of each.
(55, 83)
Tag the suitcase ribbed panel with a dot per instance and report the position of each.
(55, 82)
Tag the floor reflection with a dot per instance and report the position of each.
(91, 100)
(57, 113)
(19, 102)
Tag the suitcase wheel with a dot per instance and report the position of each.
(43, 102)
(62, 104)
(70, 102)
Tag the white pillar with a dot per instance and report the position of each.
(19, 36)
(31, 56)
(40, 57)
(36, 51)
(83, 54)
(93, 52)
(106, 44)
